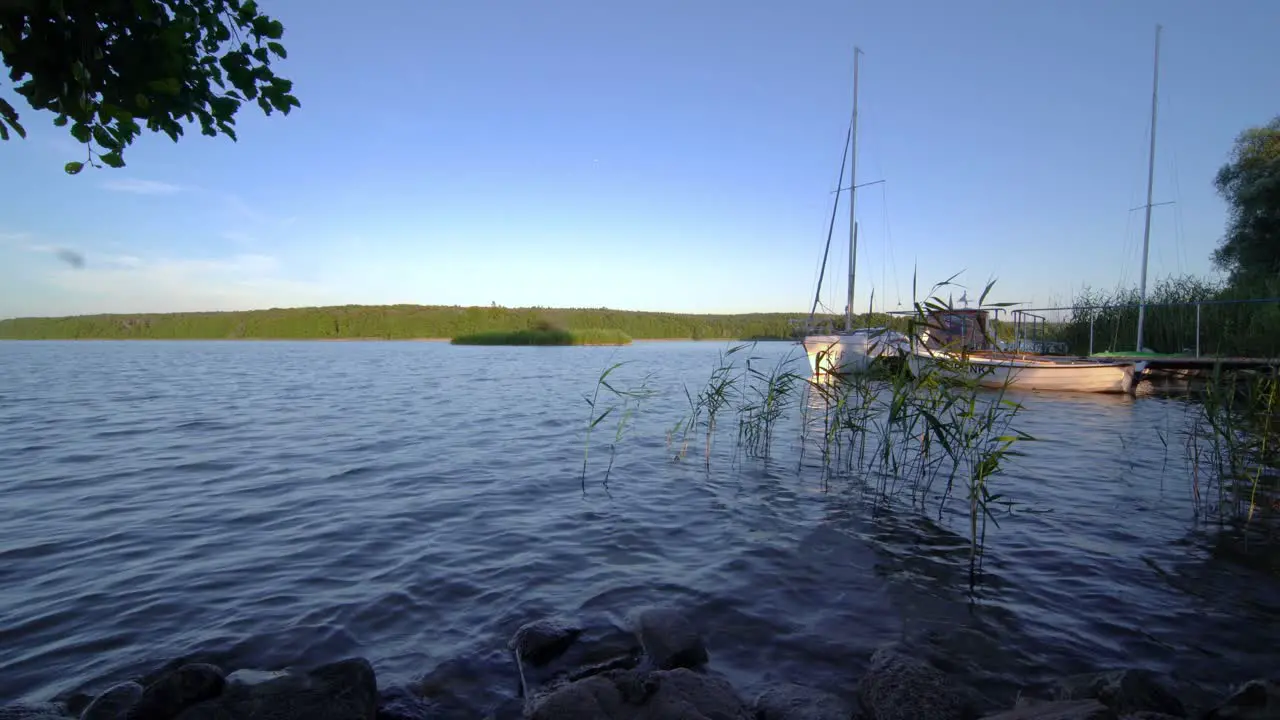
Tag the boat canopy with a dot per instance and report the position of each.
(963, 329)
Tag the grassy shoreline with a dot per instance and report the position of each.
(545, 337)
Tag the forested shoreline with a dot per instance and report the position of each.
(397, 322)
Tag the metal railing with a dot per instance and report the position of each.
(1032, 325)
(1198, 305)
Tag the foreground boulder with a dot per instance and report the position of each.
(679, 694)
(670, 638)
(114, 704)
(1057, 710)
(178, 689)
(1255, 700)
(1125, 691)
(900, 687)
(542, 641)
(799, 702)
(345, 690)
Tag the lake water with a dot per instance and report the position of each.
(277, 503)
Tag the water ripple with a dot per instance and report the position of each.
(274, 504)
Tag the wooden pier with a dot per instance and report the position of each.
(1204, 362)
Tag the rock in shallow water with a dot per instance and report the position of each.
(1057, 710)
(670, 638)
(798, 702)
(899, 687)
(678, 694)
(1255, 700)
(542, 641)
(177, 690)
(1125, 691)
(345, 690)
(115, 703)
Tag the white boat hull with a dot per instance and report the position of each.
(850, 353)
(838, 354)
(1028, 374)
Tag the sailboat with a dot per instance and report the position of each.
(957, 341)
(850, 350)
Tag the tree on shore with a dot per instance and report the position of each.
(108, 68)
(1250, 183)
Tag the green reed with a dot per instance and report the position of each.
(706, 406)
(767, 397)
(903, 432)
(921, 437)
(1172, 322)
(1233, 448)
(625, 401)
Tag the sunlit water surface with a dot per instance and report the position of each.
(290, 503)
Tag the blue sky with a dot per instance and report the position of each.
(666, 155)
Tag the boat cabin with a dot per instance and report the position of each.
(958, 330)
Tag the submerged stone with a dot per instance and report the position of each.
(345, 690)
(1057, 710)
(1125, 691)
(177, 690)
(679, 694)
(670, 638)
(899, 687)
(542, 641)
(1255, 700)
(115, 703)
(798, 702)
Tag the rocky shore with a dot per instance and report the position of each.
(657, 669)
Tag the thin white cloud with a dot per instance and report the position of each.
(124, 283)
(141, 187)
(129, 261)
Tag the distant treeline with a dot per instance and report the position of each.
(392, 322)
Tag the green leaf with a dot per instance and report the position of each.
(142, 102)
(278, 49)
(104, 138)
(73, 168)
(81, 132)
(113, 159)
(60, 121)
(168, 86)
(261, 55)
(10, 116)
(275, 31)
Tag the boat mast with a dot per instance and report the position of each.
(1151, 169)
(853, 193)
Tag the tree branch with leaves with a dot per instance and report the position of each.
(108, 68)
(1250, 183)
